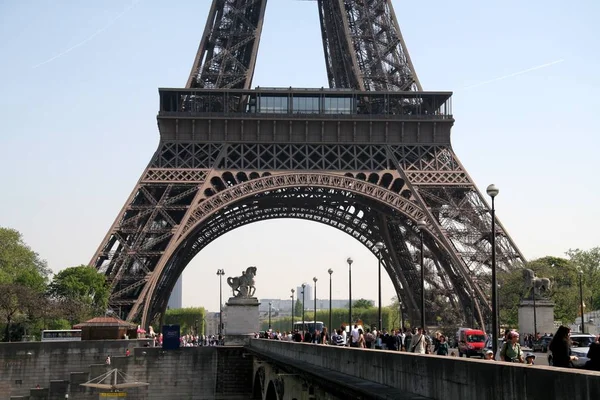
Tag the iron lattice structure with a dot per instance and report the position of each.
(371, 157)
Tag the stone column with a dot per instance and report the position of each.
(544, 311)
(241, 320)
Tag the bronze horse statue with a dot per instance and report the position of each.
(243, 286)
(539, 285)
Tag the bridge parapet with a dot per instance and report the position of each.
(438, 377)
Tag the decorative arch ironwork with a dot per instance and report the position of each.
(231, 210)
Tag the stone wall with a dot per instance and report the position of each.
(186, 373)
(443, 378)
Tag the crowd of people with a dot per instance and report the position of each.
(419, 341)
(412, 340)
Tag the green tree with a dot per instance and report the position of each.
(363, 303)
(15, 301)
(23, 279)
(19, 264)
(510, 293)
(187, 319)
(564, 292)
(589, 263)
(298, 308)
(82, 285)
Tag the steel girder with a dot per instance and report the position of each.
(364, 48)
(227, 53)
(354, 216)
(179, 206)
(362, 44)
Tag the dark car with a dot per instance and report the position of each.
(542, 344)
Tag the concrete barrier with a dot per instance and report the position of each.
(443, 378)
(190, 372)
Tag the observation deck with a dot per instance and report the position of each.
(284, 115)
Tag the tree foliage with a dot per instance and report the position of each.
(187, 319)
(19, 264)
(298, 308)
(82, 286)
(564, 292)
(363, 303)
(16, 303)
(589, 262)
(23, 278)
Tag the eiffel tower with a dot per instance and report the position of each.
(370, 155)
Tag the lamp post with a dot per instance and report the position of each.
(350, 261)
(421, 225)
(330, 271)
(472, 307)
(220, 272)
(400, 313)
(293, 310)
(493, 191)
(379, 246)
(581, 298)
(270, 304)
(534, 313)
(303, 324)
(315, 326)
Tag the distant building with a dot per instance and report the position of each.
(592, 323)
(211, 326)
(176, 299)
(308, 293)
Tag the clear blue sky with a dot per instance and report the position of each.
(79, 79)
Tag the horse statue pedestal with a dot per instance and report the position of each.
(544, 312)
(241, 320)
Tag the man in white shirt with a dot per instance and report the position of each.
(401, 337)
(418, 343)
(354, 335)
(344, 336)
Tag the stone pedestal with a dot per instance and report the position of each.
(544, 311)
(240, 320)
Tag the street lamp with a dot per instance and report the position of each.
(422, 225)
(534, 312)
(270, 304)
(400, 313)
(330, 271)
(315, 327)
(303, 324)
(581, 298)
(293, 310)
(350, 261)
(493, 191)
(379, 246)
(220, 272)
(472, 307)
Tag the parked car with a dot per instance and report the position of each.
(541, 344)
(581, 345)
(582, 339)
(488, 343)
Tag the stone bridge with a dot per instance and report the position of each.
(275, 370)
